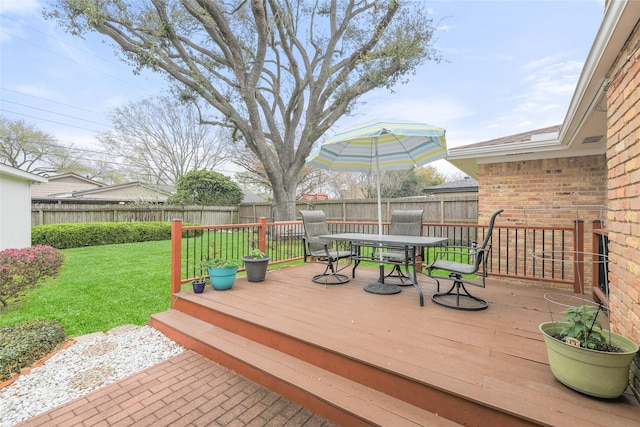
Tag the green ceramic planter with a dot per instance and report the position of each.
(596, 373)
(222, 278)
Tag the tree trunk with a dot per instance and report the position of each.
(284, 204)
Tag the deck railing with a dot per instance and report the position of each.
(512, 250)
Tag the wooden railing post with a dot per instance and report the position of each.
(262, 234)
(578, 265)
(176, 256)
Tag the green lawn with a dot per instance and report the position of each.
(101, 287)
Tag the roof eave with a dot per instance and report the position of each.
(619, 19)
(23, 175)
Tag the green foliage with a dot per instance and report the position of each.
(101, 287)
(403, 183)
(23, 344)
(206, 188)
(23, 269)
(257, 254)
(583, 325)
(220, 263)
(64, 236)
(321, 78)
(428, 176)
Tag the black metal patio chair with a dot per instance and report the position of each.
(321, 250)
(457, 296)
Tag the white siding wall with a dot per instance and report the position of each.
(15, 213)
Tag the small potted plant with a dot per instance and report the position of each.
(222, 272)
(256, 264)
(198, 285)
(585, 357)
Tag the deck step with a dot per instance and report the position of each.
(337, 398)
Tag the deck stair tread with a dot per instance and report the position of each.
(373, 407)
(487, 385)
(470, 368)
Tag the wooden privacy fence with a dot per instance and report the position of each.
(44, 213)
(451, 209)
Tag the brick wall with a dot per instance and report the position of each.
(543, 183)
(623, 154)
(531, 192)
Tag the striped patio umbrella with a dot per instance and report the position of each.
(381, 145)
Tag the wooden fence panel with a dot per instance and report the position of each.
(450, 209)
(454, 209)
(81, 213)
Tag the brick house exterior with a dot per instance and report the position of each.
(623, 158)
(535, 184)
(592, 158)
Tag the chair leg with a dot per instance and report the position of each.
(458, 297)
(330, 276)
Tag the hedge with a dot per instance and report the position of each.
(63, 236)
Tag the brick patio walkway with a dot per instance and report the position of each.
(186, 390)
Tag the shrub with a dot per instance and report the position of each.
(64, 236)
(23, 344)
(22, 269)
(206, 188)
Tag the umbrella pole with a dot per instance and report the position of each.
(380, 287)
(379, 203)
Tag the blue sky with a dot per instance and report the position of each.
(512, 67)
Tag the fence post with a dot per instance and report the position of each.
(176, 256)
(578, 265)
(262, 234)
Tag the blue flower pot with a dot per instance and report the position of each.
(198, 287)
(222, 278)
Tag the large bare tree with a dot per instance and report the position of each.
(23, 146)
(279, 72)
(160, 139)
(255, 178)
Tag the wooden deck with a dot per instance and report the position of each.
(364, 359)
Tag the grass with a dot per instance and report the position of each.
(101, 287)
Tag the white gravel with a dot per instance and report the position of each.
(88, 364)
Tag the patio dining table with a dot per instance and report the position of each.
(410, 245)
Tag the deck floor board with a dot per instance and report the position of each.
(495, 356)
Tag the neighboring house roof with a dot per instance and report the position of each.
(130, 191)
(74, 178)
(584, 128)
(9, 171)
(63, 184)
(463, 186)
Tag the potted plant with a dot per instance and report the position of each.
(222, 272)
(198, 285)
(256, 264)
(585, 357)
